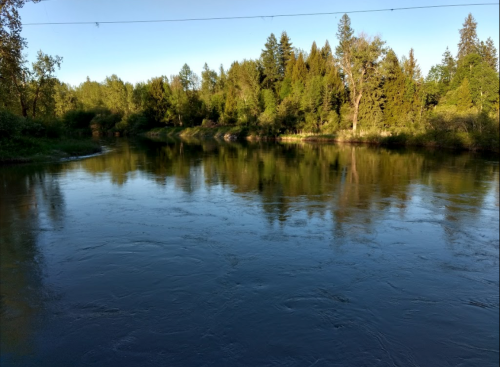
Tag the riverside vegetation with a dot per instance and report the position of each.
(360, 91)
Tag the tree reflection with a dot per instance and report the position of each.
(348, 181)
(30, 201)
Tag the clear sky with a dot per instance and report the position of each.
(140, 51)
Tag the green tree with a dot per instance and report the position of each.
(42, 79)
(115, 95)
(90, 94)
(468, 38)
(270, 59)
(488, 52)
(359, 60)
(394, 88)
(482, 79)
(14, 73)
(187, 78)
(285, 53)
(449, 67)
(158, 101)
(208, 90)
(248, 77)
(464, 97)
(299, 73)
(65, 98)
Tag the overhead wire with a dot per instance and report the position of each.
(259, 16)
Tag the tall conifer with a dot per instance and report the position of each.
(468, 38)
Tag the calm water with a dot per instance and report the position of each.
(207, 254)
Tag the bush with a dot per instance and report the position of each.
(10, 125)
(78, 119)
(32, 128)
(104, 121)
(54, 128)
(332, 125)
(136, 123)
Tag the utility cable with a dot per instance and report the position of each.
(260, 16)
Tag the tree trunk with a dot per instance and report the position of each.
(24, 108)
(356, 109)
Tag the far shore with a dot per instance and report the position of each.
(428, 139)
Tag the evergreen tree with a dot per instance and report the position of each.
(270, 59)
(299, 72)
(314, 61)
(410, 66)
(285, 53)
(394, 89)
(488, 52)
(221, 81)
(449, 67)
(468, 38)
(345, 36)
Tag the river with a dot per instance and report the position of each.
(251, 254)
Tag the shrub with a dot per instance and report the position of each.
(78, 119)
(136, 123)
(104, 121)
(10, 125)
(32, 128)
(54, 128)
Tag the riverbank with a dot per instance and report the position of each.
(30, 149)
(430, 139)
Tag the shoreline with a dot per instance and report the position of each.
(429, 139)
(42, 150)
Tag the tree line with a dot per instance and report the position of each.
(361, 84)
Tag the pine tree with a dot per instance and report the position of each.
(270, 59)
(394, 89)
(468, 38)
(314, 61)
(488, 52)
(410, 66)
(299, 69)
(285, 53)
(208, 81)
(345, 37)
(221, 80)
(449, 67)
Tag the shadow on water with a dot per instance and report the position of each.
(31, 202)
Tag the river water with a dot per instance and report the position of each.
(237, 254)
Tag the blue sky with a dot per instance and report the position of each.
(138, 52)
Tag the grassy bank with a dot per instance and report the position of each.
(199, 132)
(431, 139)
(36, 149)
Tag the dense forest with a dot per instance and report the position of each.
(361, 84)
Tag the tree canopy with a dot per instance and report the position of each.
(362, 84)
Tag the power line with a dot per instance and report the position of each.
(261, 16)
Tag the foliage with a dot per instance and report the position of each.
(360, 85)
(78, 119)
(10, 124)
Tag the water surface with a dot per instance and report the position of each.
(218, 254)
